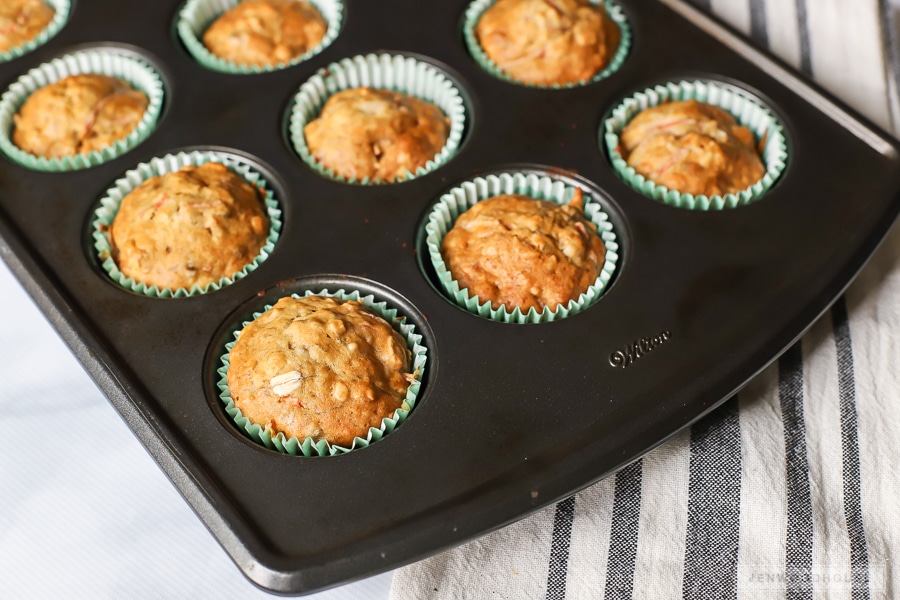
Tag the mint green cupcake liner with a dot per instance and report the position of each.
(102, 61)
(615, 12)
(109, 206)
(463, 197)
(310, 447)
(751, 114)
(397, 73)
(61, 10)
(197, 15)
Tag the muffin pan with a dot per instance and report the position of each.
(510, 417)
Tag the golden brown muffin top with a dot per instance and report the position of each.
(377, 134)
(21, 21)
(692, 147)
(319, 367)
(523, 252)
(545, 42)
(190, 227)
(265, 32)
(78, 115)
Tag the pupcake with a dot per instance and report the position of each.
(21, 21)
(376, 134)
(321, 368)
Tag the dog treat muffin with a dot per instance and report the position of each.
(21, 21)
(265, 32)
(191, 227)
(692, 147)
(523, 252)
(376, 134)
(546, 42)
(319, 367)
(78, 115)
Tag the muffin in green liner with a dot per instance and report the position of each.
(613, 10)
(61, 10)
(109, 206)
(197, 15)
(102, 61)
(760, 120)
(397, 73)
(309, 447)
(543, 187)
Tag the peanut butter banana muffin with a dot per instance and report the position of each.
(376, 134)
(320, 368)
(546, 42)
(78, 115)
(692, 147)
(523, 252)
(191, 227)
(21, 21)
(265, 32)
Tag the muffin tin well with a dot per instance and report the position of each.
(509, 418)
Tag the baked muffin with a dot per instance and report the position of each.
(191, 227)
(78, 115)
(522, 252)
(21, 21)
(319, 367)
(265, 32)
(546, 42)
(376, 134)
(692, 147)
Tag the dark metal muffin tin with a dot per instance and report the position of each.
(511, 417)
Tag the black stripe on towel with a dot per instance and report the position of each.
(803, 34)
(859, 557)
(559, 549)
(799, 535)
(714, 507)
(623, 535)
(758, 29)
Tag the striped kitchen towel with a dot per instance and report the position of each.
(790, 490)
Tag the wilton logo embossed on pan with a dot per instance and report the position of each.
(623, 358)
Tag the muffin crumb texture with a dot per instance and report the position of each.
(21, 21)
(376, 134)
(693, 148)
(546, 42)
(523, 252)
(319, 367)
(265, 32)
(78, 114)
(191, 227)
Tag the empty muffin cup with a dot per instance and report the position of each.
(264, 434)
(105, 214)
(767, 131)
(461, 198)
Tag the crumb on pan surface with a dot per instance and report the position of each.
(78, 114)
(319, 367)
(265, 32)
(547, 42)
(21, 21)
(376, 134)
(692, 147)
(191, 227)
(523, 252)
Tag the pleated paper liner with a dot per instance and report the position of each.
(394, 72)
(750, 113)
(309, 447)
(61, 9)
(613, 10)
(197, 15)
(544, 187)
(109, 206)
(108, 61)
